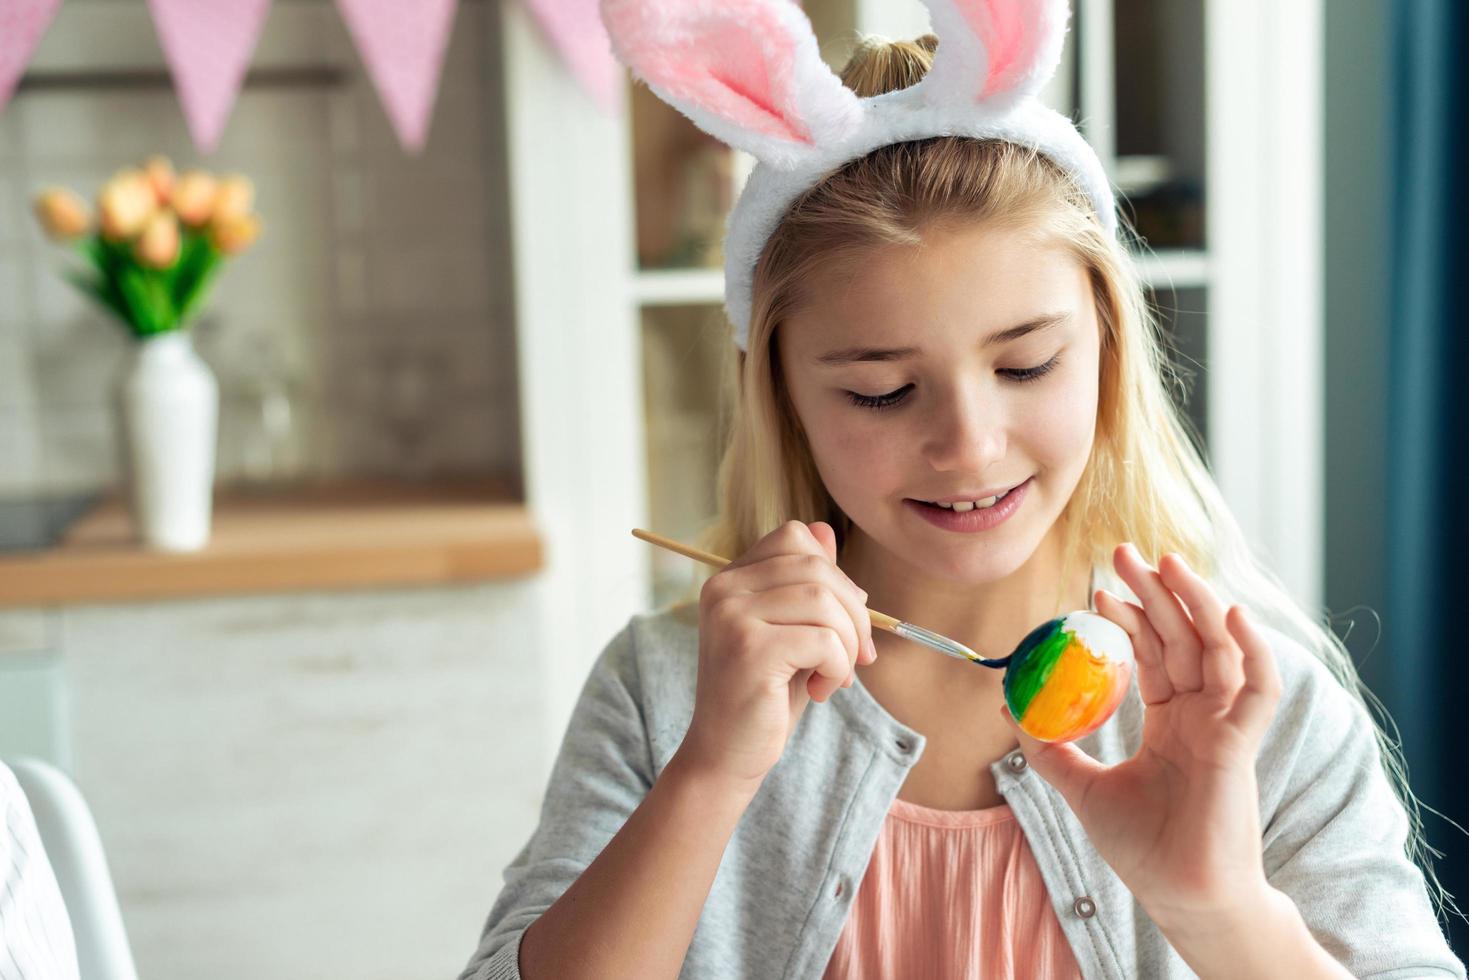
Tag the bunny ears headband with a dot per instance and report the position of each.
(749, 73)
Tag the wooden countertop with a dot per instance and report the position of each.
(322, 537)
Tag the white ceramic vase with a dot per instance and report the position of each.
(169, 409)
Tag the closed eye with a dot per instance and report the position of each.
(892, 398)
(879, 401)
(1031, 373)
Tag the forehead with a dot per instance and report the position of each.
(961, 282)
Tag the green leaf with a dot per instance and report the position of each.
(203, 261)
(143, 298)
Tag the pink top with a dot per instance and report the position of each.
(954, 894)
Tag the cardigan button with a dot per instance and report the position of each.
(904, 745)
(1016, 762)
(1084, 907)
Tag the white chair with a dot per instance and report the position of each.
(75, 850)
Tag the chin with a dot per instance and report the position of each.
(980, 565)
(967, 560)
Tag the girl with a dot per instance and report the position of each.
(951, 407)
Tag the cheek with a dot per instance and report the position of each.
(1060, 425)
(845, 450)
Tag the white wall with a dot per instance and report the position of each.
(311, 786)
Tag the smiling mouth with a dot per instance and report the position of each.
(983, 503)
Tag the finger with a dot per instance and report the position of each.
(792, 537)
(800, 692)
(793, 569)
(816, 659)
(813, 563)
(852, 595)
(811, 605)
(832, 668)
(1181, 646)
(1258, 696)
(826, 537)
(1221, 657)
(1068, 769)
(808, 603)
(817, 538)
(1153, 684)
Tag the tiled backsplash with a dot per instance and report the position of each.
(376, 301)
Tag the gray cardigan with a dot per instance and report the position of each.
(1333, 830)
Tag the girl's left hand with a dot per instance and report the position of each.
(1179, 821)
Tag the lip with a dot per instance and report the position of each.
(975, 520)
(957, 498)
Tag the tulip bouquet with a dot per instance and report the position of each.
(157, 242)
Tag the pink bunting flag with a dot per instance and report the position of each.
(208, 44)
(403, 46)
(575, 28)
(22, 24)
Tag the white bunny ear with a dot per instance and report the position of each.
(998, 52)
(745, 71)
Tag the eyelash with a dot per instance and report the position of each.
(1018, 375)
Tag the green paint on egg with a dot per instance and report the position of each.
(1032, 663)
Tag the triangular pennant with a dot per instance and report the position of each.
(575, 27)
(208, 44)
(22, 24)
(402, 45)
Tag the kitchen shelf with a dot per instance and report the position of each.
(1175, 268)
(329, 536)
(1168, 268)
(679, 287)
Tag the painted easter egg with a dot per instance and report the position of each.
(1068, 676)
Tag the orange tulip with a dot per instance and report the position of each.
(62, 213)
(236, 193)
(234, 234)
(158, 246)
(125, 204)
(160, 177)
(193, 197)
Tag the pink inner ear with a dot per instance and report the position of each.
(1009, 37)
(737, 65)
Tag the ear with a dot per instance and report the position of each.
(994, 51)
(748, 72)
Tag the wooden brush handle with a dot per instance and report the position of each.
(881, 620)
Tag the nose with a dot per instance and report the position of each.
(966, 433)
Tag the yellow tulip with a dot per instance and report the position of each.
(62, 213)
(193, 197)
(234, 234)
(160, 177)
(125, 204)
(158, 246)
(236, 193)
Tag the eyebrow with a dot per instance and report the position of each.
(852, 355)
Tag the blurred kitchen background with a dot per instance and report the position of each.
(452, 377)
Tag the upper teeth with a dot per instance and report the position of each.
(964, 505)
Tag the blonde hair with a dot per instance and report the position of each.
(1145, 481)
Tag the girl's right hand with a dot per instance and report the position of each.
(778, 627)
